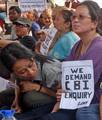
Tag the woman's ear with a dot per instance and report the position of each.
(68, 25)
(94, 25)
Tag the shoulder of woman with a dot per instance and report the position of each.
(98, 42)
(73, 36)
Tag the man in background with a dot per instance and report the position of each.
(14, 14)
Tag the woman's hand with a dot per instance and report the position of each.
(100, 107)
(28, 86)
(16, 107)
(58, 94)
(41, 35)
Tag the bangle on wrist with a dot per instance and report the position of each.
(40, 88)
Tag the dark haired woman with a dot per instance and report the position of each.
(21, 62)
(60, 47)
(85, 23)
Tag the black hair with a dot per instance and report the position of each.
(94, 10)
(100, 22)
(29, 42)
(13, 52)
(16, 8)
(67, 16)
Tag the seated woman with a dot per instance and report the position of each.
(61, 48)
(58, 46)
(85, 23)
(29, 92)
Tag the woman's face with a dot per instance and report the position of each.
(81, 20)
(25, 69)
(59, 22)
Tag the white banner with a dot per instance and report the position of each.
(78, 84)
(27, 5)
(46, 44)
(3, 84)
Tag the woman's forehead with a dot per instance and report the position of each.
(82, 9)
(23, 62)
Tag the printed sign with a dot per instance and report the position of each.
(78, 84)
(27, 5)
(3, 84)
(46, 44)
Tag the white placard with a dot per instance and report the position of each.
(27, 5)
(46, 44)
(3, 84)
(78, 84)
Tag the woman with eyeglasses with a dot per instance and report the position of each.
(30, 93)
(85, 22)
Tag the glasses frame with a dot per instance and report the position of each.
(80, 17)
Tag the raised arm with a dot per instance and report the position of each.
(3, 43)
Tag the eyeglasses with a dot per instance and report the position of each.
(79, 17)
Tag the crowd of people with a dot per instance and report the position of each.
(32, 57)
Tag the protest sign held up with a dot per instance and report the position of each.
(27, 5)
(78, 84)
(48, 40)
